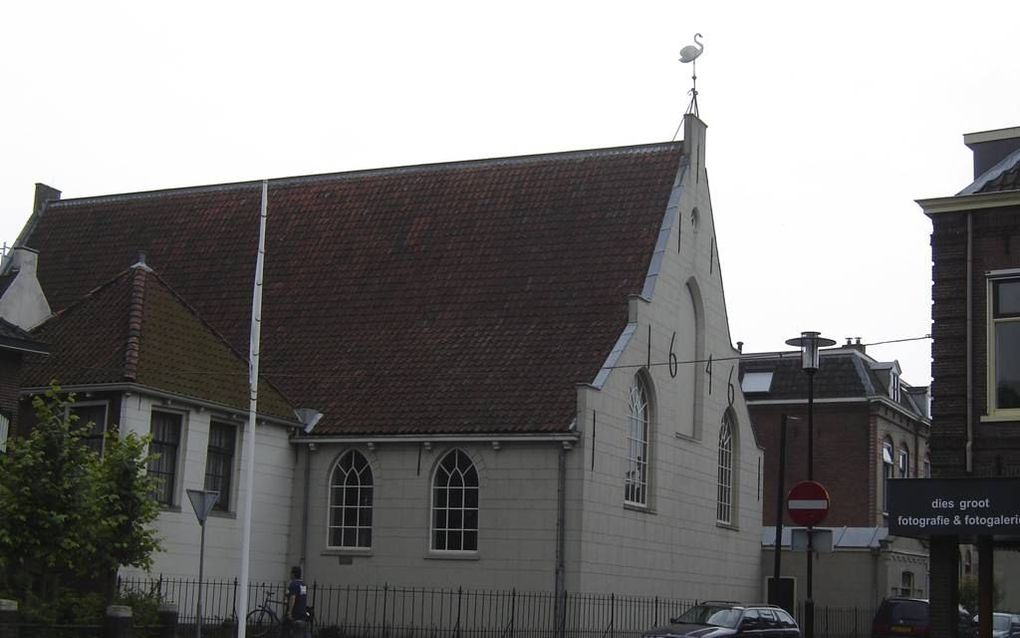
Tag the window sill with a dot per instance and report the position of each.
(644, 509)
(729, 526)
(434, 554)
(1001, 416)
(222, 514)
(346, 551)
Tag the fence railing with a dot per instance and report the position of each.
(352, 611)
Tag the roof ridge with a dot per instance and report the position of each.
(361, 173)
(136, 310)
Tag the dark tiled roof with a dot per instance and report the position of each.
(13, 337)
(135, 329)
(465, 297)
(1007, 180)
(842, 373)
(5, 282)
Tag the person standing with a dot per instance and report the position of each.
(296, 617)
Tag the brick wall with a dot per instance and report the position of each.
(996, 246)
(841, 451)
(10, 368)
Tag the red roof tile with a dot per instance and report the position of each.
(463, 297)
(135, 329)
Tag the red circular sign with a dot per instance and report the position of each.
(807, 503)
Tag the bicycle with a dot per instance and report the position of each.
(263, 622)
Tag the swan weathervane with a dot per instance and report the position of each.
(692, 51)
(690, 54)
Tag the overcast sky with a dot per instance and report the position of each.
(824, 124)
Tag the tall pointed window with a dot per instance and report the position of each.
(635, 485)
(350, 502)
(455, 504)
(724, 484)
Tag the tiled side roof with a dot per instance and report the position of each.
(135, 329)
(467, 297)
(1007, 180)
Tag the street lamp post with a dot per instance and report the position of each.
(809, 342)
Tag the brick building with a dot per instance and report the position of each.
(976, 329)
(870, 426)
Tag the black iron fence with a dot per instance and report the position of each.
(352, 611)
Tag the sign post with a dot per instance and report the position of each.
(202, 501)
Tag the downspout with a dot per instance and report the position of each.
(969, 449)
(304, 513)
(561, 520)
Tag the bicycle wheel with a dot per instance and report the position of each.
(261, 623)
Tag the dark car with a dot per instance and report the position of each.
(908, 618)
(722, 620)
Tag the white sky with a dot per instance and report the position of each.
(824, 123)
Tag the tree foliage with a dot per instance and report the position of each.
(68, 515)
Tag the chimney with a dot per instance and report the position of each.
(991, 147)
(852, 345)
(23, 302)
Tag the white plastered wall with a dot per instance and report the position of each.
(178, 527)
(675, 546)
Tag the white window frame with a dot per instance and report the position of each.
(338, 513)
(992, 278)
(888, 471)
(894, 386)
(225, 502)
(724, 477)
(465, 510)
(176, 476)
(5, 431)
(903, 462)
(635, 481)
(101, 434)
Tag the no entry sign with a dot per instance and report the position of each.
(807, 503)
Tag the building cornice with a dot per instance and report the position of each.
(879, 399)
(963, 203)
(138, 388)
(566, 439)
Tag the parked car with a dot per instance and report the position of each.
(1004, 625)
(900, 617)
(722, 620)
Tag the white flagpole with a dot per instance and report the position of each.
(249, 439)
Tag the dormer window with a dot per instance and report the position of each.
(894, 386)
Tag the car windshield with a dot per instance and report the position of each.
(717, 616)
(1001, 622)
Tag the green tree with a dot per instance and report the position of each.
(67, 515)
